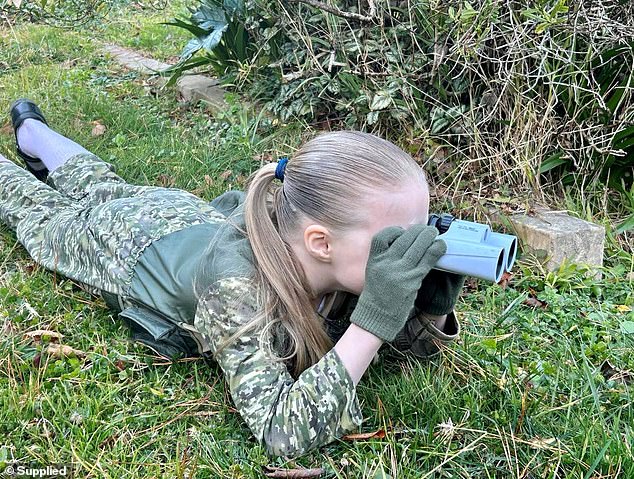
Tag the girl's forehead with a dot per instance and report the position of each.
(408, 205)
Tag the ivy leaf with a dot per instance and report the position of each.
(381, 100)
(372, 117)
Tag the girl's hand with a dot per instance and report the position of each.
(439, 292)
(398, 261)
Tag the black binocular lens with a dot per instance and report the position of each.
(441, 222)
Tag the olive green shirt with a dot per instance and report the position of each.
(287, 415)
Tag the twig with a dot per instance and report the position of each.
(337, 12)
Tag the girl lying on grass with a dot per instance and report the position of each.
(292, 287)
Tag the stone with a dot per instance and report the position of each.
(556, 236)
(199, 87)
(134, 61)
(191, 87)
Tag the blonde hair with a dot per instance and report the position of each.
(324, 181)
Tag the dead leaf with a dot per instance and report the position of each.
(379, 434)
(7, 328)
(98, 128)
(198, 191)
(76, 418)
(446, 429)
(68, 64)
(535, 302)
(226, 174)
(47, 433)
(471, 283)
(613, 373)
(293, 473)
(7, 129)
(107, 442)
(542, 443)
(30, 309)
(209, 181)
(505, 280)
(166, 181)
(28, 268)
(38, 333)
(63, 350)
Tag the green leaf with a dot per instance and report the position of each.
(627, 327)
(211, 40)
(240, 43)
(234, 6)
(624, 138)
(627, 225)
(372, 117)
(191, 47)
(178, 69)
(185, 65)
(381, 474)
(209, 17)
(381, 100)
(193, 29)
(208, 43)
(552, 162)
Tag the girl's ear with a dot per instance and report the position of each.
(318, 242)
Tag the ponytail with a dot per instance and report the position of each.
(322, 180)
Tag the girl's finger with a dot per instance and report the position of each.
(406, 240)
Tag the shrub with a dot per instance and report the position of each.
(61, 13)
(507, 91)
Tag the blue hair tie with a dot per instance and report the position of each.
(281, 168)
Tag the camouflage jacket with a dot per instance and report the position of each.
(291, 416)
(287, 415)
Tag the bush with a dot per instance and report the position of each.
(60, 13)
(509, 92)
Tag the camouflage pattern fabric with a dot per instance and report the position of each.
(290, 417)
(93, 226)
(90, 225)
(287, 416)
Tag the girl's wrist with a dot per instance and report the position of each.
(356, 349)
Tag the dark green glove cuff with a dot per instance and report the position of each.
(373, 319)
(439, 292)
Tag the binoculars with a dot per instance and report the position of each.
(473, 249)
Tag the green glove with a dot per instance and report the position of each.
(398, 261)
(439, 292)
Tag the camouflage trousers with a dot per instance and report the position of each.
(88, 224)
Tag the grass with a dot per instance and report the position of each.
(526, 392)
